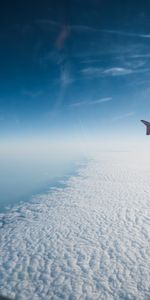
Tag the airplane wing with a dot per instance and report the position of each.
(147, 124)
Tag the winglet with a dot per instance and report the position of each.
(147, 124)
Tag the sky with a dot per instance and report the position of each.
(74, 68)
(74, 74)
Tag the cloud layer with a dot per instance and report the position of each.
(88, 240)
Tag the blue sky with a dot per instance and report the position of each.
(74, 66)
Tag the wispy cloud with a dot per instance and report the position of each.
(90, 61)
(92, 71)
(65, 76)
(94, 102)
(83, 28)
(145, 55)
(124, 116)
(62, 37)
(128, 34)
(49, 23)
(116, 71)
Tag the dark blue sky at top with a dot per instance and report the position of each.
(66, 63)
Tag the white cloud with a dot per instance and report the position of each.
(101, 100)
(128, 34)
(83, 28)
(146, 55)
(92, 71)
(124, 116)
(65, 76)
(94, 102)
(115, 71)
(87, 240)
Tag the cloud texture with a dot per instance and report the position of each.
(88, 240)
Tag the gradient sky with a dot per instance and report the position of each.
(74, 66)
